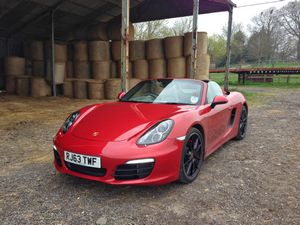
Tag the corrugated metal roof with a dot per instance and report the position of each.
(31, 18)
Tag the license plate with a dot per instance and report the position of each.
(83, 160)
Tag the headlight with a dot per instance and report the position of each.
(69, 121)
(157, 133)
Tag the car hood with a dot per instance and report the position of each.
(121, 121)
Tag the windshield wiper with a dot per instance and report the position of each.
(134, 101)
(173, 103)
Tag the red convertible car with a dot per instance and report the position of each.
(158, 132)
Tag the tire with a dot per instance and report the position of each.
(242, 124)
(192, 156)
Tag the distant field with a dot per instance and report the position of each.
(277, 81)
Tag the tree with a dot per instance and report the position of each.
(217, 49)
(264, 36)
(152, 29)
(182, 26)
(238, 47)
(290, 21)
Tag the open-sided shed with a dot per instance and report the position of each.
(53, 19)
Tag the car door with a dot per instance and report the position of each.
(217, 119)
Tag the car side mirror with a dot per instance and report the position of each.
(121, 95)
(218, 100)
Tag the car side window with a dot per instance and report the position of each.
(213, 90)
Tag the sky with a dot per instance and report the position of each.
(213, 23)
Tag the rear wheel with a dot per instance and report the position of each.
(242, 124)
(192, 156)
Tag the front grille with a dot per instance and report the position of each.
(97, 172)
(133, 171)
(57, 158)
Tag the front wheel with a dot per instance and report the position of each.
(242, 124)
(192, 156)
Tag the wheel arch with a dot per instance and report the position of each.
(246, 105)
(201, 129)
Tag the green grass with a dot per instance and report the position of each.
(278, 82)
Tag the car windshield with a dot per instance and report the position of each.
(166, 91)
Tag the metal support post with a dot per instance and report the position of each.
(228, 51)
(53, 55)
(125, 44)
(194, 39)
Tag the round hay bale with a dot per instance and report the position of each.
(99, 51)
(140, 69)
(101, 70)
(81, 51)
(116, 50)
(98, 32)
(132, 82)
(157, 68)
(39, 87)
(60, 51)
(82, 69)
(80, 89)
(113, 69)
(69, 69)
(202, 67)
(37, 50)
(38, 68)
(10, 84)
(177, 67)
(23, 85)
(14, 65)
(114, 31)
(137, 50)
(173, 47)
(112, 88)
(155, 49)
(68, 88)
(202, 43)
(96, 89)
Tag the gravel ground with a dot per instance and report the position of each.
(254, 181)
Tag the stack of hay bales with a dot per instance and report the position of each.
(14, 74)
(38, 57)
(174, 55)
(156, 58)
(137, 57)
(203, 59)
(60, 57)
(89, 66)
(19, 83)
(99, 55)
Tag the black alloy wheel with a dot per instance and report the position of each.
(242, 124)
(192, 156)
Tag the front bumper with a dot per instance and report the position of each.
(114, 155)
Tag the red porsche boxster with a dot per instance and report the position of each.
(158, 132)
